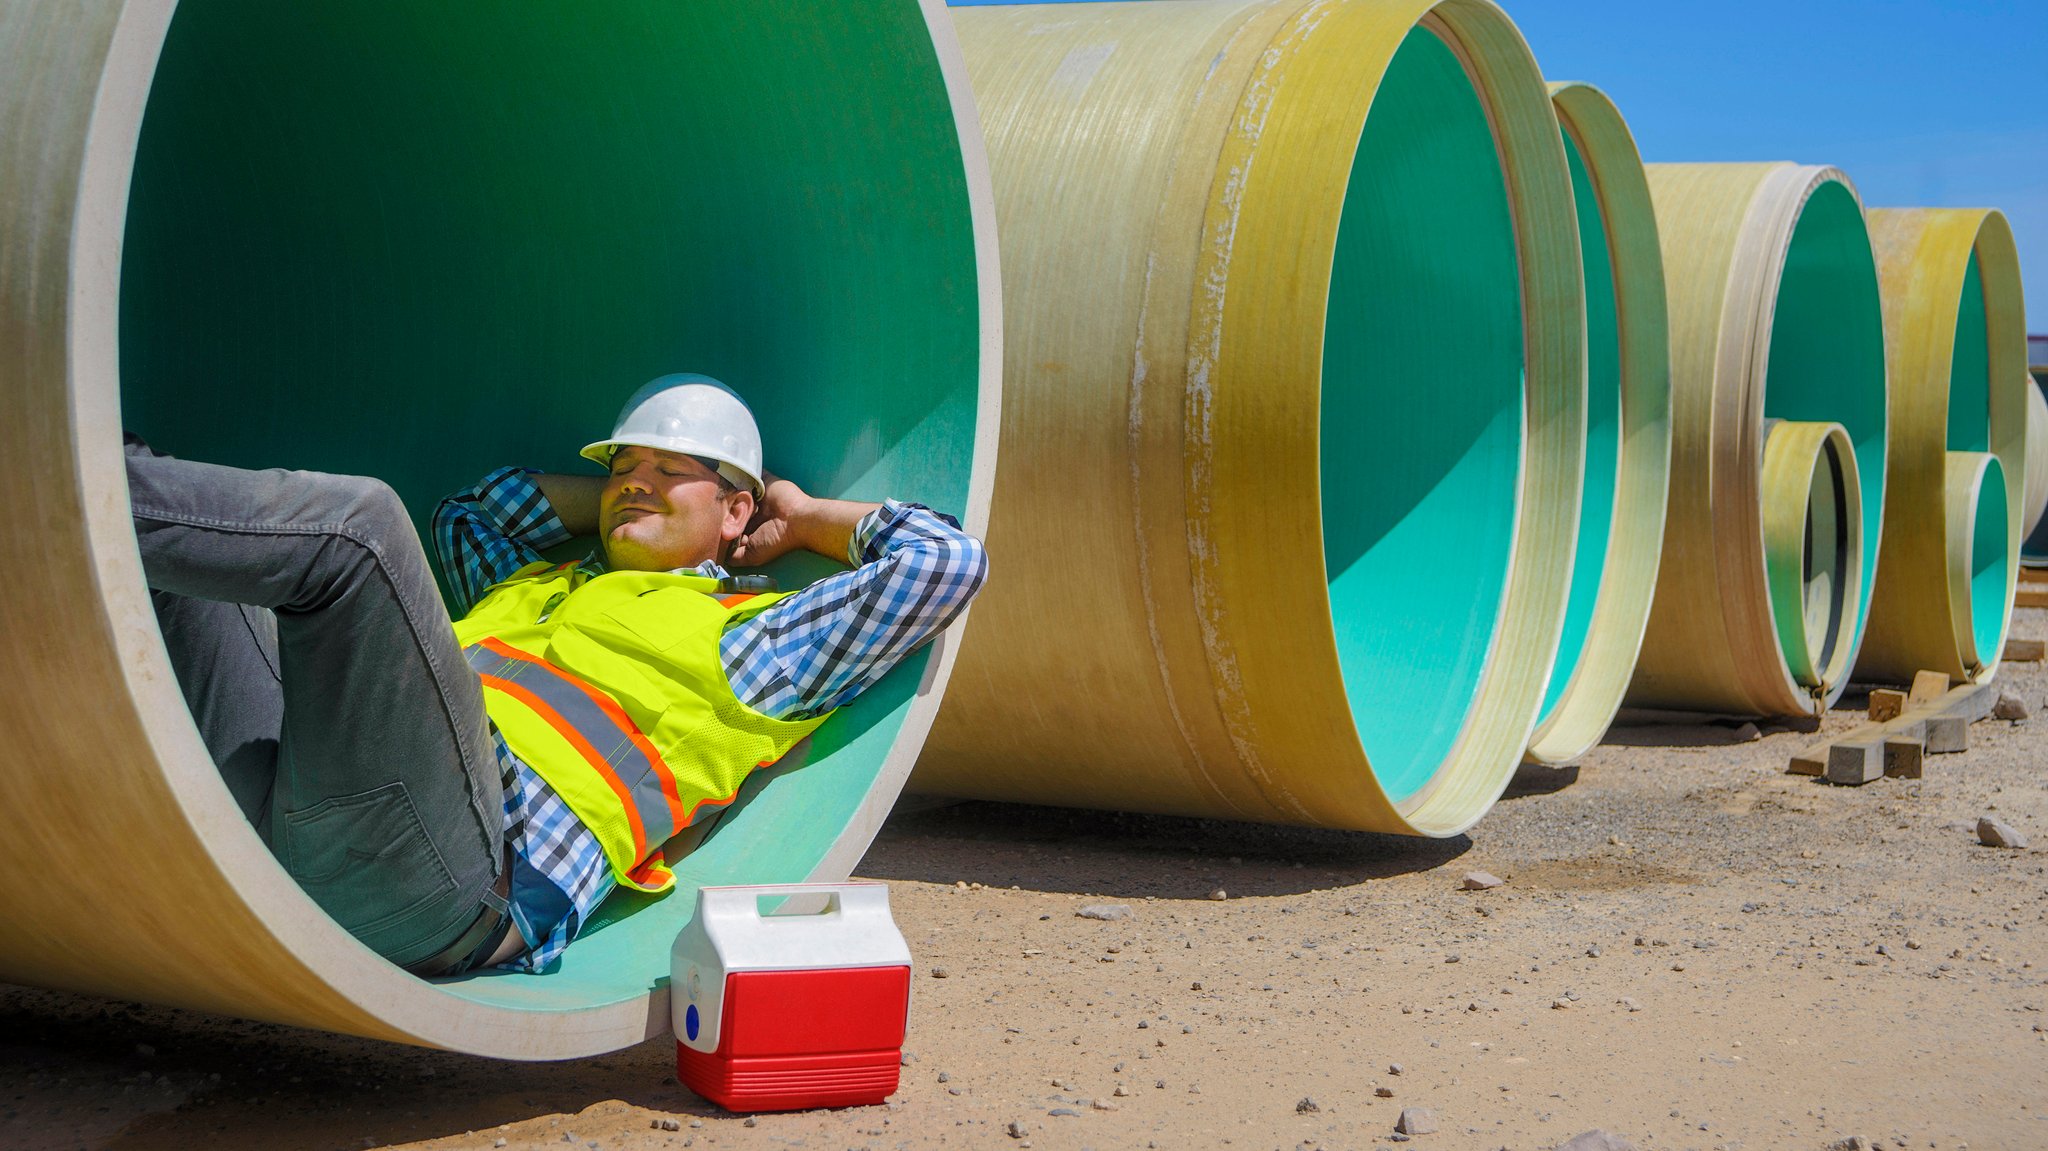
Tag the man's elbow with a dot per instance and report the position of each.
(973, 565)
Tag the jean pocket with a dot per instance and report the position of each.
(367, 860)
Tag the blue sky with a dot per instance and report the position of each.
(1922, 103)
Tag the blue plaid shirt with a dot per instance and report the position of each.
(914, 570)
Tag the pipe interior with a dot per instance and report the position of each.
(1599, 489)
(1969, 374)
(1827, 354)
(419, 241)
(1825, 563)
(1990, 561)
(1421, 429)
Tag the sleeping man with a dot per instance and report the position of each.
(466, 796)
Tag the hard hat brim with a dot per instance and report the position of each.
(601, 452)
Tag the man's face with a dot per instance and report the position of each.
(661, 510)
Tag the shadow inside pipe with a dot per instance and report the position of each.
(1711, 733)
(1132, 855)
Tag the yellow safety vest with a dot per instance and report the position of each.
(611, 688)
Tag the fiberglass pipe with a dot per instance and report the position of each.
(1775, 323)
(1293, 412)
(1628, 428)
(2037, 466)
(1956, 329)
(418, 241)
(2034, 552)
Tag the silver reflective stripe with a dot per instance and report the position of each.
(570, 700)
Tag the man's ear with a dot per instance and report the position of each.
(739, 512)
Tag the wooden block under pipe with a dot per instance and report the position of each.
(1947, 734)
(1855, 764)
(1809, 761)
(2035, 596)
(1928, 686)
(2025, 650)
(1886, 704)
(1903, 757)
(1972, 701)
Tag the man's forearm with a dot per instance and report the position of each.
(575, 499)
(826, 526)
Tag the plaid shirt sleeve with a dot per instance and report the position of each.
(486, 533)
(915, 571)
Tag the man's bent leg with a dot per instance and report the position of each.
(387, 806)
(225, 656)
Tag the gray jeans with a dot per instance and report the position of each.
(320, 667)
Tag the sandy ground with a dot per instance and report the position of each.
(1692, 949)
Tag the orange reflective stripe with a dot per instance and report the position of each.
(664, 775)
(736, 599)
(650, 871)
(708, 801)
(575, 738)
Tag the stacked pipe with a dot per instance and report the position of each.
(1958, 474)
(2034, 552)
(1294, 412)
(420, 241)
(1779, 433)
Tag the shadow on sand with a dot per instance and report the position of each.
(1133, 855)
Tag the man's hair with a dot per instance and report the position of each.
(725, 486)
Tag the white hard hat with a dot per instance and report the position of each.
(693, 415)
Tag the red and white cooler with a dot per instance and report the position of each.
(800, 1005)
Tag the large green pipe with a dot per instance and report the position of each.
(1293, 412)
(1628, 428)
(417, 241)
(1777, 336)
(1956, 332)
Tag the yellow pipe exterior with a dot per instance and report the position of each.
(1159, 637)
(1640, 433)
(1774, 313)
(2037, 455)
(1952, 300)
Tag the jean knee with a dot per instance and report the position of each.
(368, 506)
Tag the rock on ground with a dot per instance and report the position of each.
(1481, 881)
(1416, 1121)
(1596, 1140)
(1993, 832)
(1108, 912)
